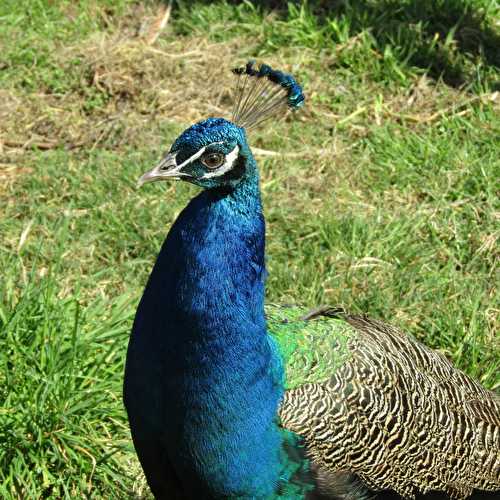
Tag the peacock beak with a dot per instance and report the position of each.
(166, 169)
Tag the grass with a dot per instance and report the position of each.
(62, 418)
(381, 195)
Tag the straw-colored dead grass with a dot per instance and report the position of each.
(121, 84)
(130, 84)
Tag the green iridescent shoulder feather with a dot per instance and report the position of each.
(312, 349)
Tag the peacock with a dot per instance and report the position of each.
(229, 398)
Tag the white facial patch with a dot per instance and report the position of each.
(178, 168)
(226, 166)
(195, 156)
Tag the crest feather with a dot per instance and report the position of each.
(263, 93)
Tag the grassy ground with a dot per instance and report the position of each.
(382, 195)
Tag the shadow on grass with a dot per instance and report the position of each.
(439, 36)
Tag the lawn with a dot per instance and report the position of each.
(382, 195)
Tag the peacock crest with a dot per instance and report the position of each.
(263, 93)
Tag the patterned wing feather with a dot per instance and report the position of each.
(392, 411)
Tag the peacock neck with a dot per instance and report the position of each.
(218, 245)
(221, 374)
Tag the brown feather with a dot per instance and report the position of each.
(399, 416)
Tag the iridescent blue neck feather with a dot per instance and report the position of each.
(220, 377)
(211, 275)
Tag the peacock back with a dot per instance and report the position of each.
(369, 399)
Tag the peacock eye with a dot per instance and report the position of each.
(212, 160)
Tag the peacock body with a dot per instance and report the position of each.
(373, 401)
(227, 399)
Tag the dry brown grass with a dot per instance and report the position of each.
(122, 84)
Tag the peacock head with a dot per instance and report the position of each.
(211, 153)
(214, 153)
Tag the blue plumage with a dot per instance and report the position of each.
(203, 378)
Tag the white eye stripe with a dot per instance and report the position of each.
(195, 156)
(226, 166)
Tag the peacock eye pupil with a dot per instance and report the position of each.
(213, 160)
